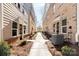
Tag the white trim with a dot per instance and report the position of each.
(77, 34)
(13, 28)
(64, 25)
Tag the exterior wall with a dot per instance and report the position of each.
(32, 24)
(28, 8)
(47, 21)
(31, 17)
(56, 13)
(12, 13)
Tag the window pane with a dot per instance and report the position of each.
(14, 32)
(24, 29)
(64, 22)
(57, 27)
(53, 27)
(20, 29)
(14, 25)
(14, 28)
(64, 29)
(18, 5)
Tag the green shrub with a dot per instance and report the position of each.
(4, 49)
(67, 51)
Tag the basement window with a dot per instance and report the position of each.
(14, 28)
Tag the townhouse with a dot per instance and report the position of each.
(15, 20)
(61, 18)
(32, 25)
(31, 17)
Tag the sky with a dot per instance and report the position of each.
(39, 9)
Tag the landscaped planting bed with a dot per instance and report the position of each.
(64, 50)
(52, 49)
(21, 50)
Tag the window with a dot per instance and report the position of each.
(23, 11)
(14, 28)
(54, 28)
(18, 5)
(14, 32)
(15, 3)
(20, 28)
(64, 26)
(24, 29)
(64, 22)
(57, 27)
(64, 29)
(14, 25)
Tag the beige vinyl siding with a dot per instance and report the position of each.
(11, 13)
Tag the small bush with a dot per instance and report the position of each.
(67, 51)
(22, 43)
(4, 49)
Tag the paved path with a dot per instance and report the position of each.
(39, 47)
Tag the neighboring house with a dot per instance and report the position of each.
(32, 18)
(32, 25)
(15, 19)
(61, 18)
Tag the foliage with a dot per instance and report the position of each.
(4, 49)
(68, 51)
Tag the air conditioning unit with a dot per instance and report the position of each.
(57, 39)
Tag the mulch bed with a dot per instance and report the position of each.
(52, 49)
(58, 47)
(21, 50)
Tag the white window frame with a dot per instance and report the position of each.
(14, 29)
(24, 29)
(63, 26)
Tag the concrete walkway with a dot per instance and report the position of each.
(39, 47)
